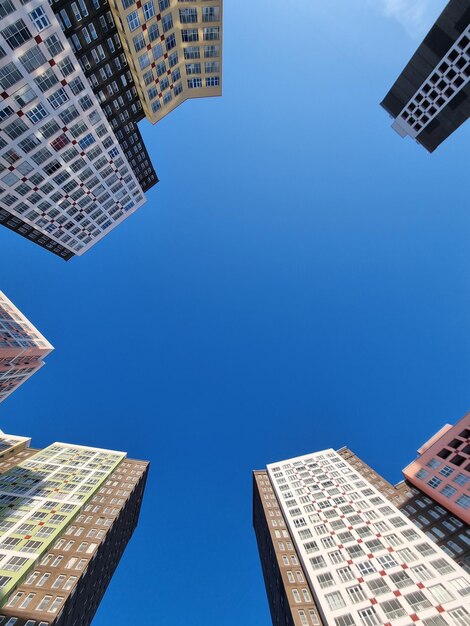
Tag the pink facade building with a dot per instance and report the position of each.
(22, 348)
(442, 469)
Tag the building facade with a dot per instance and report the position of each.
(64, 180)
(91, 31)
(22, 348)
(290, 600)
(67, 514)
(431, 97)
(174, 49)
(449, 532)
(365, 562)
(442, 469)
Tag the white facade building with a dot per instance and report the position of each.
(64, 181)
(366, 563)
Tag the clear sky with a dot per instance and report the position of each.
(299, 279)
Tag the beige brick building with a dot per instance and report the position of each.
(174, 48)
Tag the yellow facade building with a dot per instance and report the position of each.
(174, 48)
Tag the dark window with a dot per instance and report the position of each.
(444, 454)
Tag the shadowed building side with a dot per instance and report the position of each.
(431, 97)
(80, 507)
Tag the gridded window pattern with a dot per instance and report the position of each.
(38, 499)
(170, 34)
(450, 76)
(63, 189)
(367, 561)
(98, 534)
(22, 347)
(447, 466)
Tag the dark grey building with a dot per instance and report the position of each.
(450, 533)
(89, 26)
(431, 97)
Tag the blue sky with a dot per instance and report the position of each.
(298, 279)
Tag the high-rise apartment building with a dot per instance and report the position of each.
(22, 348)
(67, 514)
(91, 31)
(442, 469)
(365, 562)
(64, 180)
(431, 97)
(174, 49)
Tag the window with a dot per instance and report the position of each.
(9, 75)
(356, 593)
(40, 19)
(167, 22)
(406, 555)
(446, 471)
(345, 574)
(461, 479)
(211, 33)
(16, 34)
(325, 580)
(211, 51)
(153, 32)
(335, 600)
(378, 586)
(306, 595)
(194, 83)
(440, 593)
(190, 34)
(133, 20)
(192, 52)
(448, 491)
(369, 617)
(365, 568)
(344, 620)
(86, 141)
(436, 620)
(460, 616)
(434, 482)
(296, 595)
(401, 579)
(54, 45)
(193, 68)
(149, 10)
(66, 67)
(461, 585)
(46, 80)
(422, 572)
(210, 14)
(463, 501)
(15, 129)
(58, 98)
(144, 60)
(387, 561)
(417, 600)
(393, 609)
(45, 602)
(212, 67)
(36, 114)
(55, 605)
(188, 16)
(317, 562)
(170, 42)
(139, 42)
